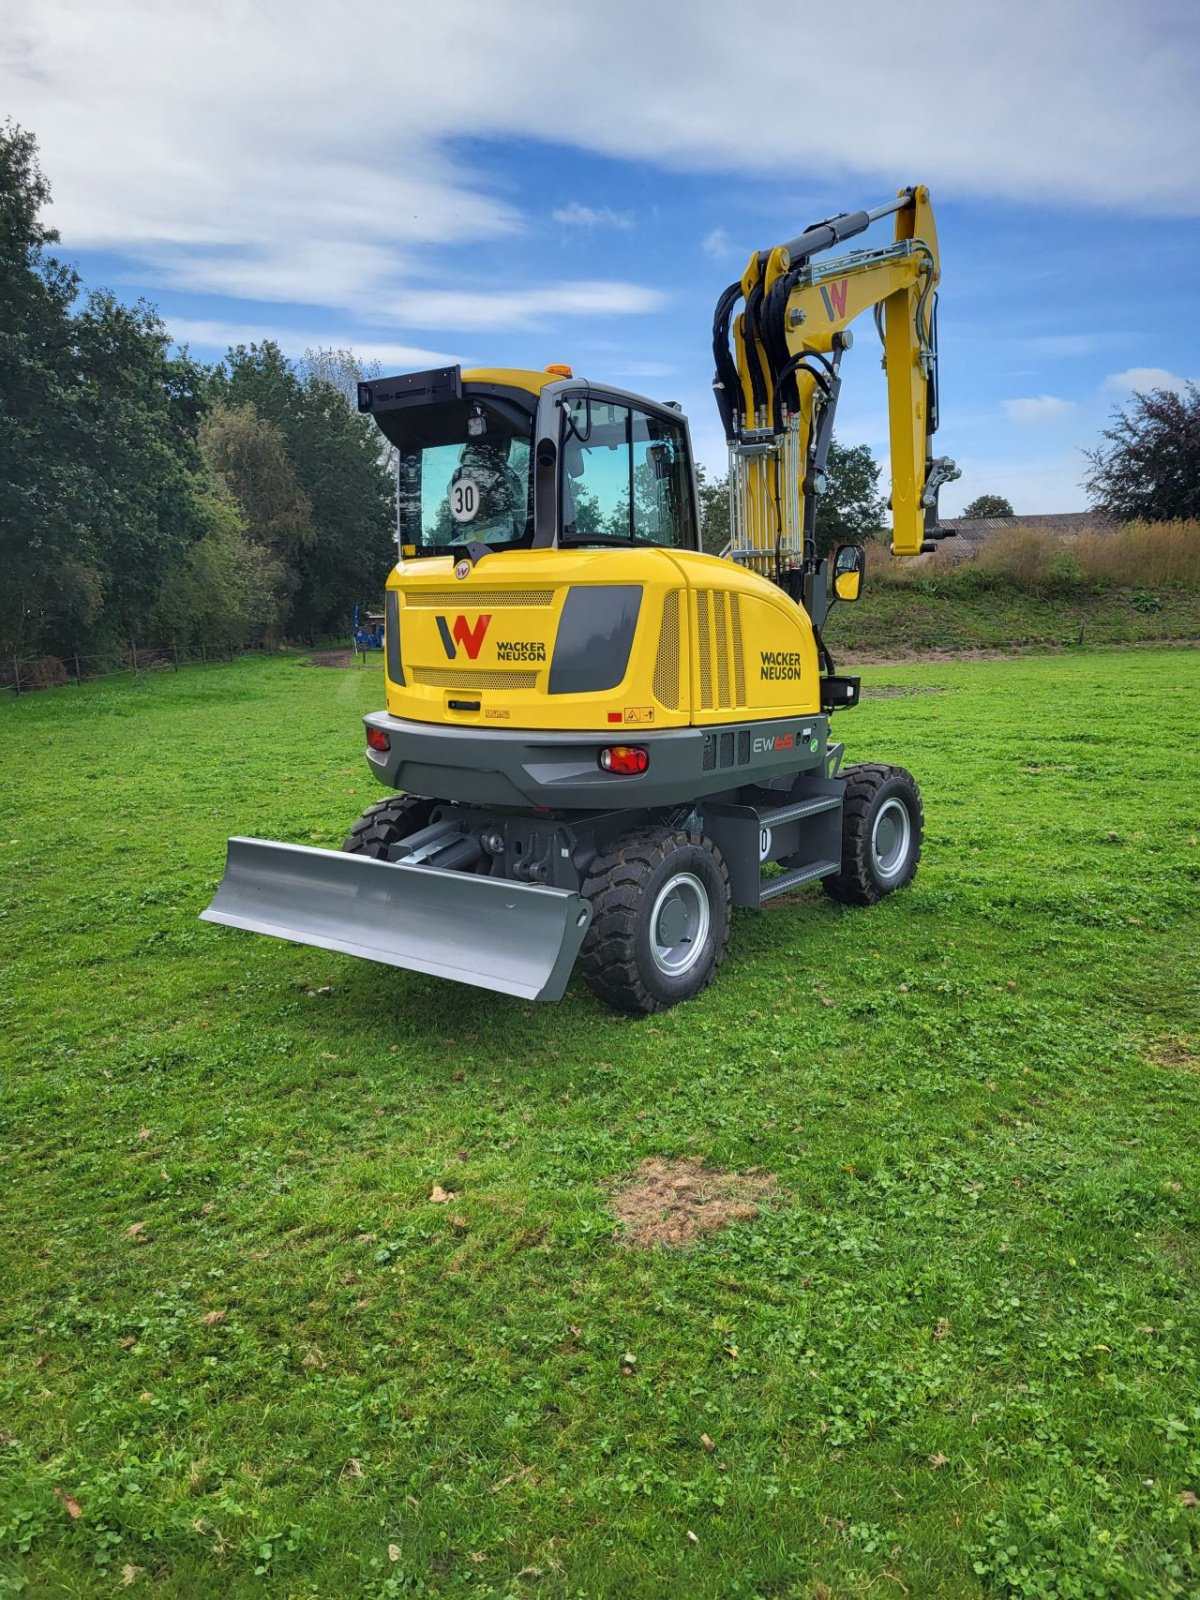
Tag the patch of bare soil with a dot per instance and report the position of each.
(1177, 1054)
(674, 1202)
(905, 658)
(332, 658)
(897, 691)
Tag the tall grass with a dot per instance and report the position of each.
(1029, 557)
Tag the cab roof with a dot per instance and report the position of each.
(512, 377)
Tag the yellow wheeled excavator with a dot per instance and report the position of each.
(599, 739)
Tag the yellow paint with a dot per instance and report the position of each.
(512, 377)
(745, 651)
(835, 292)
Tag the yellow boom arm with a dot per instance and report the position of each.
(777, 389)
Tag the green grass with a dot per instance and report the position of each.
(950, 612)
(957, 1355)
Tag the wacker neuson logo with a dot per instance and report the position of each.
(462, 633)
(779, 664)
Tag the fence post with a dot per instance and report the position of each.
(175, 648)
(133, 653)
(78, 674)
(203, 653)
(16, 676)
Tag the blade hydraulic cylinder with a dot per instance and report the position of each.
(518, 939)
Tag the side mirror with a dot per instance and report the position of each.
(849, 565)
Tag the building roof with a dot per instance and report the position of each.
(971, 532)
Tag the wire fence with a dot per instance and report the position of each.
(21, 674)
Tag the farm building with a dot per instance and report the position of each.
(971, 533)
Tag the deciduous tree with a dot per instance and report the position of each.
(988, 505)
(1148, 468)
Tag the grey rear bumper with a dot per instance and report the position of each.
(521, 768)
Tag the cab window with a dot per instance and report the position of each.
(625, 477)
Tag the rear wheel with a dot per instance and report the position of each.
(661, 919)
(883, 824)
(386, 823)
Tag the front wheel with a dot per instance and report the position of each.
(661, 919)
(883, 824)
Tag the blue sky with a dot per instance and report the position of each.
(515, 184)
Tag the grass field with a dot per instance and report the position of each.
(956, 1354)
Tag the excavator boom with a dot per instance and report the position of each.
(777, 389)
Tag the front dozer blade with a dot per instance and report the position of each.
(517, 938)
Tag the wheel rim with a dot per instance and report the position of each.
(890, 838)
(679, 924)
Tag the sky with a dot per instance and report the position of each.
(503, 182)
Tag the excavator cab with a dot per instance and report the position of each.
(521, 460)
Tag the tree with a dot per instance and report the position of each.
(1150, 467)
(40, 487)
(218, 591)
(99, 472)
(334, 454)
(249, 461)
(134, 421)
(989, 505)
(714, 511)
(851, 509)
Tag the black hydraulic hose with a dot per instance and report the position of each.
(800, 364)
(726, 388)
(823, 652)
(774, 322)
(753, 335)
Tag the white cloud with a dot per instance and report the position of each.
(521, 308)
(1140, 380)
(1037, 408)
(579, 216)
(220, 336)
(717, 244)
(286, 153)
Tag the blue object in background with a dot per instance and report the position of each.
(368, 633)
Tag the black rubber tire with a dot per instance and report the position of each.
(623, 885)
(868, 789)
(386, 823)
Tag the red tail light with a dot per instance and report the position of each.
(378, 740)
(627, 758)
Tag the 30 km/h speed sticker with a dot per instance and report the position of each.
(464, 500)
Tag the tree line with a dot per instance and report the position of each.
(145, 496)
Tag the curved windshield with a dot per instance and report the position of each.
(463, 475)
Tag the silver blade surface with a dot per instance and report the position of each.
(518, 939)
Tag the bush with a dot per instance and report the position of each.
(1022, 556)
(34, 672)
(1148, 553)
(1143, 555)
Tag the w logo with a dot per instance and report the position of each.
(834, 296)
(471, 639)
